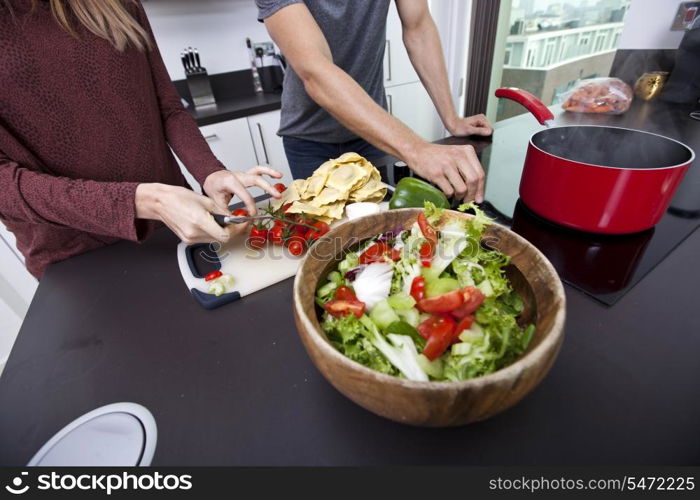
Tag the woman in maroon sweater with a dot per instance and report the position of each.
(87, 112)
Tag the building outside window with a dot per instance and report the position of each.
(552, 44)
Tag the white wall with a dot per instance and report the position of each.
(648, 25)
(217, 28)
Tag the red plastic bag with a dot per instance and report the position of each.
(610, 96)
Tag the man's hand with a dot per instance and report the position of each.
(470, 125)
(221, 186)
(455, 169)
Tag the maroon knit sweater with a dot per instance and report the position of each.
(81, 125)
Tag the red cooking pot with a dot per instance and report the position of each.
(599, 179)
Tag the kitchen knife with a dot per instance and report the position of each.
(190, 57)
(196, 58)
(185, 64)
(225, 220)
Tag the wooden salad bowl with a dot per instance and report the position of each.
(435, 404)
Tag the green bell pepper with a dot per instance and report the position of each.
(412, 192)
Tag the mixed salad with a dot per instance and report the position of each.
(425, 304)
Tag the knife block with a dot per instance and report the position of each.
(200, 88)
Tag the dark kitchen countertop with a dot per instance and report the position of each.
(235, 98)
(233, 386)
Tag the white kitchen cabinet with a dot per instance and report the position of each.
(411, 104)
(269, 149)
(231, 144)
(397, 65)
(17, 288)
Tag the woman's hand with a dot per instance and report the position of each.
(221, 186)
(185, 212)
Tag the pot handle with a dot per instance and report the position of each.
(529, 101)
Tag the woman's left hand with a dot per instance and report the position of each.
(222, 185)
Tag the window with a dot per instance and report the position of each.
(600, 40)
(549, 42)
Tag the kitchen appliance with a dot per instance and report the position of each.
(197, 78)
(599, 179)
(683, 85)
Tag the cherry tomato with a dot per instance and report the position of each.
(472, 298)
(257, 237)
(276, 235)
(439, 330)
(338, 308)
(296, 248)
(464, 324)
(280, 187)
(427, 230)
(320, 228)
(286, 206)
(344, 293)
(374, 253)
(240, 212)
(447, 302)
(213, 275)
(426, 253)
(418, 288)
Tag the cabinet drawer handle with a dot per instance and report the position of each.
(388, 60)
(390, 98)
(211, 137)
(262, 141)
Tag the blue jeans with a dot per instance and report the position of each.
(306, 156)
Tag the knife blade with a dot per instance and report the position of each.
(196, 58)
(190, 55)
(185, 63)
(225, 220)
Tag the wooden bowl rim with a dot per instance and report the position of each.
(317, 336)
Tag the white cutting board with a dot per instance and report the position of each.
(252, 270)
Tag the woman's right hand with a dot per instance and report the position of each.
(185, 212)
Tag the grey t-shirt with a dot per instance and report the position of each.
(356, 34)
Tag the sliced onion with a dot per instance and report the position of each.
(373, 283)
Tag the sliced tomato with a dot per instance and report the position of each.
(464, 324)
(418, 288)
(338, 308)
(240, 212)
(427, 229)
(439, 330)
(286, 206)
(257, 237)
(395, 254)
(344, 293)
(374, 253)
(276, 235)
(296, 247)
(472, 298)
(426, 253)
(213, 275)
(441, 304)
(280, 187)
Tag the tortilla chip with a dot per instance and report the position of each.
(349, 157)
(329, 195)
(335, 210)
(344, 178)
(300, 207)
(290, 195)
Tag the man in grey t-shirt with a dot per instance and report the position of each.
(333, 99)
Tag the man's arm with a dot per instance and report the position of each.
(300, 39)
(422, 41)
